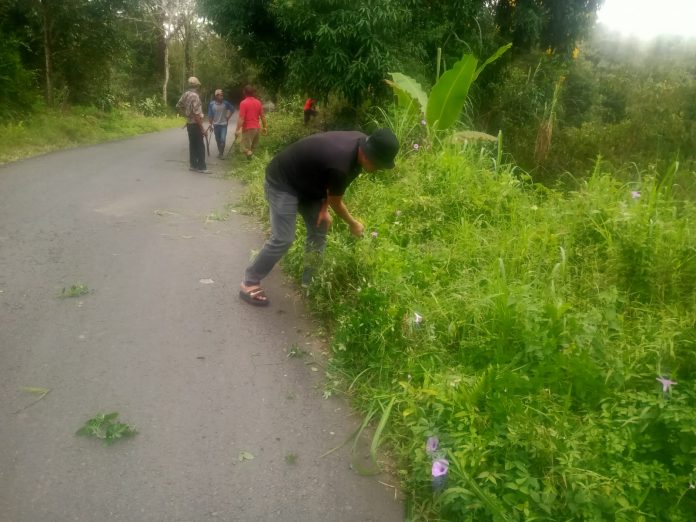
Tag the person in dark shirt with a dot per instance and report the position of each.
(308, 177)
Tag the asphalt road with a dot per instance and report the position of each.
(163, 339)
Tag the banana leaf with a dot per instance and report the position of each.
(408, 91)
(492, 58)
(450, 92)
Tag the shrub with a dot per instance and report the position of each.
(19, 94)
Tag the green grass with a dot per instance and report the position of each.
(76, 290)
(547, 317)
(51, 130)
(291, 459)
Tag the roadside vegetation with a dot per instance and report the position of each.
(530, 330)
(50, 130)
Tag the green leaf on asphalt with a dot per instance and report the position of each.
(104, 426)
(35, 390)
(245, 455)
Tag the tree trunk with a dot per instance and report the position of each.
(166, 72)
(48, 52)
(188, 53)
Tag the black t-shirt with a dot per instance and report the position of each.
(320, 162)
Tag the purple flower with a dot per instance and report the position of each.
(431, 445)
(666, 384)
(635, 194)
(374, 233)
(416, 146)
(440, 467)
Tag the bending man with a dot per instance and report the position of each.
(308, 177)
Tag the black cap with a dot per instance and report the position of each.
(381, 148)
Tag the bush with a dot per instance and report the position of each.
(19, 94)
(151, 106)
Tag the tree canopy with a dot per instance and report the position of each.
(347, 47)
(553, 24)
(88, 51)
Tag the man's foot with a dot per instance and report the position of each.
(307, 276)
(253, 295)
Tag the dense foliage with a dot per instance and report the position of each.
(553, 24)
(629, 102)
(526, 328)
(347, 48)
(107, 53)
(317, 46)
(71, 42)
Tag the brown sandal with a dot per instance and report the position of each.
(255, 296)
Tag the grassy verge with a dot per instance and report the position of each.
(525, 328)
(53, 130)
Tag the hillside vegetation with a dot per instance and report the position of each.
(526, 328)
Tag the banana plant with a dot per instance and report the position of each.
(447, 97)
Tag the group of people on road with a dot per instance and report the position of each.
(251, 121)
(307, 178)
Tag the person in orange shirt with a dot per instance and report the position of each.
(250, 114)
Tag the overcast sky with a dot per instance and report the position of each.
(649, 18)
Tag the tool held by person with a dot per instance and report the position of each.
(206, 134)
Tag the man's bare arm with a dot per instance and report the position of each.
(339, 207)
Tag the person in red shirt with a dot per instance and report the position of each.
(309, 110)
(250, 113)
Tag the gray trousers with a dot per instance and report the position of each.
(284, 208)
